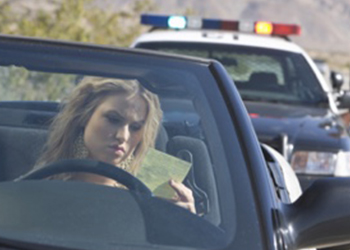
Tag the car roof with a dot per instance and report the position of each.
(221, 37)
(19, 40)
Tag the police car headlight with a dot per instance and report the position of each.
(321, 163)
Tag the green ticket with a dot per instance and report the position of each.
(158, 168)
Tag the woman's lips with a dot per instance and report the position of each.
(117, 149)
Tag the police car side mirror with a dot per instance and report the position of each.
(344, 100)
(321, 216)
(337, 80)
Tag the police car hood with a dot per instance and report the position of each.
(306, 127)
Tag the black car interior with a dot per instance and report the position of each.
(22, 135)
(24, 132)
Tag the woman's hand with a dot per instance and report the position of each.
(184, 196)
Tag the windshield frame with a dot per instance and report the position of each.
(225, 108)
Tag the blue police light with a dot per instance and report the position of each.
(162, 21)
(177, 22)
(155, 20)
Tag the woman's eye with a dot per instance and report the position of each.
(135, 127)
(112, 119)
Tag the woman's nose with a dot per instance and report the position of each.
(122, 134)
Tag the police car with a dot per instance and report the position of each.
(292, 107)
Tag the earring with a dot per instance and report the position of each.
(125, 165)
(79, 149)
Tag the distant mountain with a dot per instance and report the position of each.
(325, 23)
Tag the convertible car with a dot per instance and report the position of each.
(243, 192)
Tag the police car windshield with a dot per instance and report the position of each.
(259, 73)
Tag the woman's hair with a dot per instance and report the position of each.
(79, 107)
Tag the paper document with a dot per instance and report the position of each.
(158, 168)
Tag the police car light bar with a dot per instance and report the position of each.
(183, 22)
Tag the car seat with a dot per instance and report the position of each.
(263, 81)
(201, 178)
(19, 149)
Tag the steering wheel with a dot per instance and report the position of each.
(89, 166)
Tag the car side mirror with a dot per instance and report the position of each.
(321, 216)
(337, 80)
(344, 100)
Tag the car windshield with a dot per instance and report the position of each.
(260, 74)
(69, 112)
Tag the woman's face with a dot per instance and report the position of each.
(115, 128)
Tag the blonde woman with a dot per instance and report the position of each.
(109, 120)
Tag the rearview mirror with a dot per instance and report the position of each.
(321, 216)
(337, 80)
